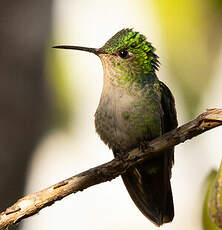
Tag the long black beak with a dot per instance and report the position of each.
(91, 50)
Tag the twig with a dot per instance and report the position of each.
(33, 203)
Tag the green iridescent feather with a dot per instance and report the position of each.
(135, 43)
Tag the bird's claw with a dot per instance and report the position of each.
(143, 146)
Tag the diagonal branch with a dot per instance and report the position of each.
(33, 203)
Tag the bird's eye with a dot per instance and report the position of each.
(124, 54)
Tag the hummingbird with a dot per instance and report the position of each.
(135, 107)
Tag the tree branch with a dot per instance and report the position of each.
(33, 203)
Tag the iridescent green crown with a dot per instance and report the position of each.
(134, 42)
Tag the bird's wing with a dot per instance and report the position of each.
(168, 105)
(169, 120)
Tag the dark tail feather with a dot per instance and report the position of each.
(149, 187)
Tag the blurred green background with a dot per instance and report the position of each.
(49, 97)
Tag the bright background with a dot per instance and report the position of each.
(187, 36)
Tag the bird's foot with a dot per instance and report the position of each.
(143, 146)
(119, 155)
